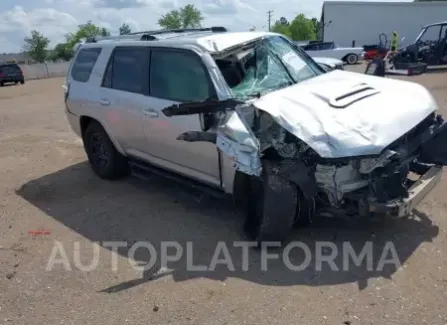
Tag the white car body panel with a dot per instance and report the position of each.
(338, 53)
(364, 127)
(331, 62)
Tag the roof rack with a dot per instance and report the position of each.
(149, 35)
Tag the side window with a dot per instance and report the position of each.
(311, 47)
(127, 70)
(178, 76)
(84, 63)
(431, 35)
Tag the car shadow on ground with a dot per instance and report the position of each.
(160, 210)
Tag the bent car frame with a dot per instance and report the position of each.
(333, 144)
(293, 141)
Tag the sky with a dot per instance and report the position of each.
(56, 18)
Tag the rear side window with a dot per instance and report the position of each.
(128, 70)
(84, 63)
(179, 76)
(10, 69)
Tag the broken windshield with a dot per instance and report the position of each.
(271, 64)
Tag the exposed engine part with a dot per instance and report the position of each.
(284, 149)
(273, 135)
(388, 183)
(368, 165)
(335, 181)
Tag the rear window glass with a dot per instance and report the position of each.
(10, 68)
(84, 63)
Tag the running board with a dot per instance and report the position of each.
(142, 171)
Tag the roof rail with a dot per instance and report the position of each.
(149, 35)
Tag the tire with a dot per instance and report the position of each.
(2, 83)
(271, 214)
(352, 58)
(103, 157)
(305, 211)
(22, 82)
(16, 82)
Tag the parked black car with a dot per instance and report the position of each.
(11, 72)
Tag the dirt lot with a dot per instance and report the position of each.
(47, 185)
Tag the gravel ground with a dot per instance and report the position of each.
(46, 185)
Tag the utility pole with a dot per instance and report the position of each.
(269, 13)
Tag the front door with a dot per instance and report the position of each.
(178, 76)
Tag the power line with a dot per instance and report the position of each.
(269, 13)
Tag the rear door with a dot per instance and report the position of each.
(178, 76)
(123, 95)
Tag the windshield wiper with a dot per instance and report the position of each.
(254, 95)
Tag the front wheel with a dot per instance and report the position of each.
(272, 209)
(104, 159)
(352, 58)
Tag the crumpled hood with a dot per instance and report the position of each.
(342, 114)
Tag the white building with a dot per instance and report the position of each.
(345, 22)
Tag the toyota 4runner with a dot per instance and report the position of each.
(252, 115)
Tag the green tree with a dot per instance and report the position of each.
(62, 52)
(85, 31)
(316, 26)
(105, 32)
(302, 28)
(185, 17)
(280, 28)
(37, 46)
(125, 29)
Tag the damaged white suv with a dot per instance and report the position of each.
(250, 114)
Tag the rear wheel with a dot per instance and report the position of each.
(273, 201)
(104, 159)
(2, 83)
(22, 82)
(352, 58)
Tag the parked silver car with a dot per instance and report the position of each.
(329, 64)
(251, 115)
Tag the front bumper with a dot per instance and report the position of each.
(416, 193)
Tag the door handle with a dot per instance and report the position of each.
(104, 102)
(151, 112)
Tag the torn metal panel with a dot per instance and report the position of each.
(236, 139)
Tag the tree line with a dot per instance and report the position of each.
(299, 29)
(37, 44)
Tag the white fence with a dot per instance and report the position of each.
(44, 70)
